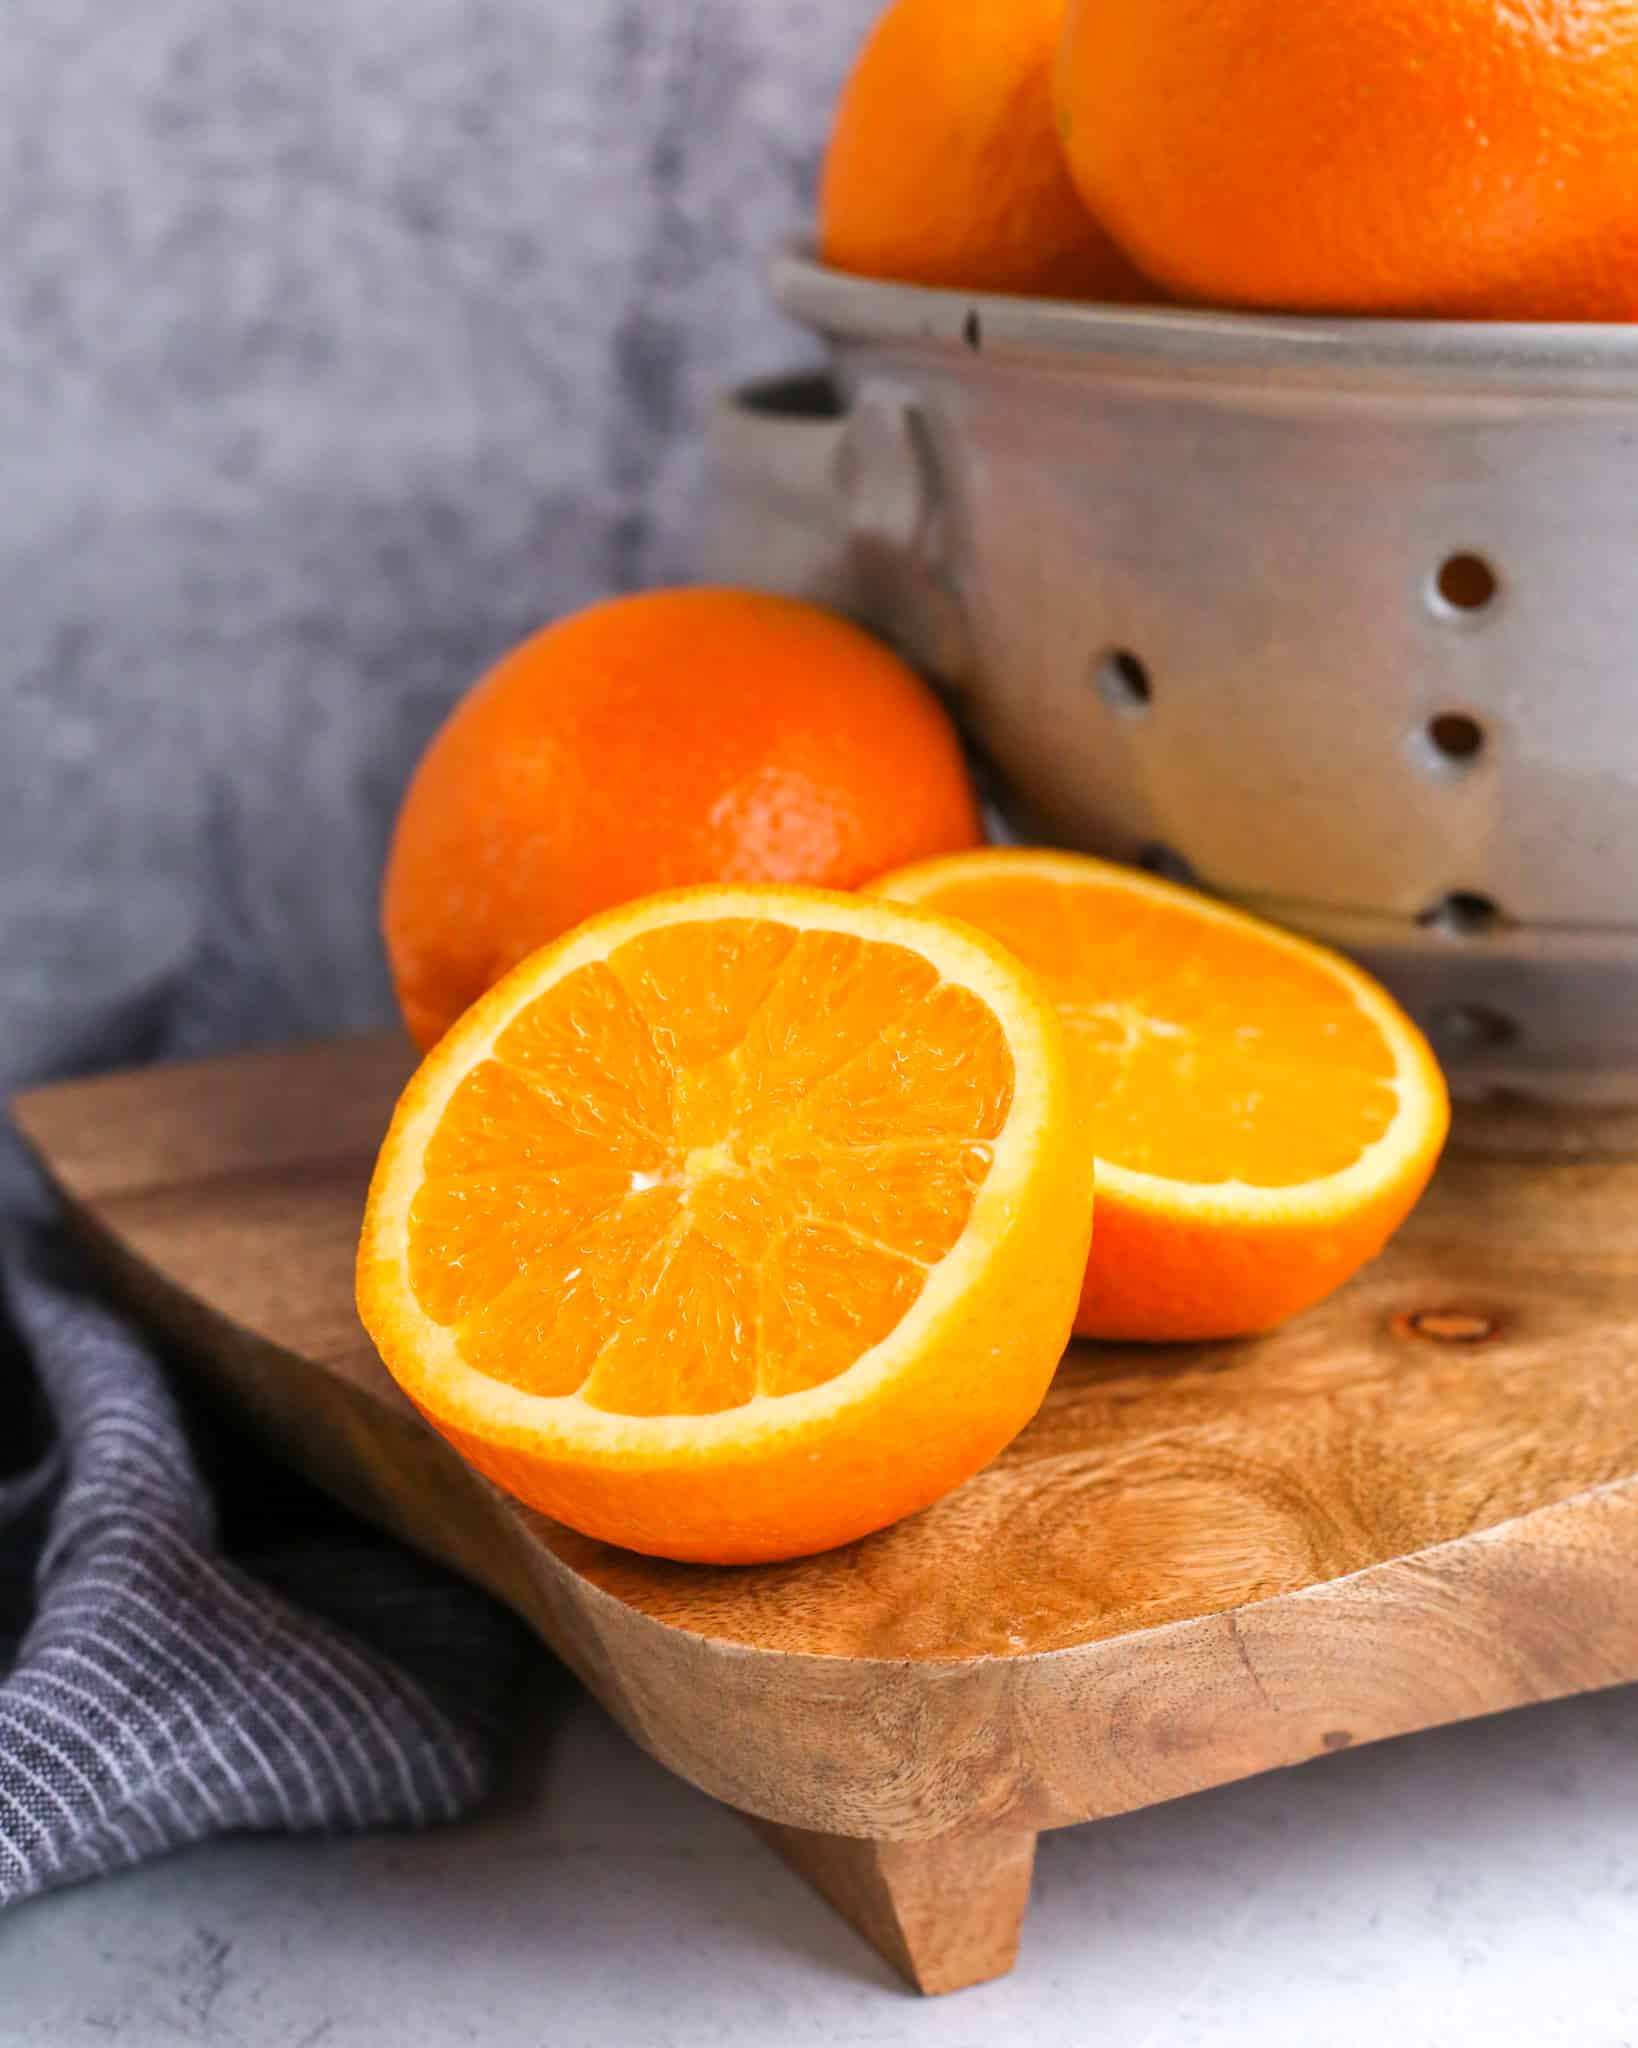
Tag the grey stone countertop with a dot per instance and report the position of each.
(1471, 1885)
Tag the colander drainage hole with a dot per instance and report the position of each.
(1463, 914)
(1461, 1028)
(1455, 738)
(1169, 864)
(1466, 583)
(1123, 681)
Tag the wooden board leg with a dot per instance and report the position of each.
(944, 1913)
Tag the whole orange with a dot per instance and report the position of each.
(1455, 158)
(683, 736)
(944, 167)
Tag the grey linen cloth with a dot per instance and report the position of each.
(163, 1690)
(342, 344)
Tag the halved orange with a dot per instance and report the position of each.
(736, 1224)
(1263, 1113)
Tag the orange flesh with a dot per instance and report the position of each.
(1207, 1055)
(691, 1176)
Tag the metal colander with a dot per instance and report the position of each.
(1338, 618)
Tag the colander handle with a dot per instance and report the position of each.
(837, 503)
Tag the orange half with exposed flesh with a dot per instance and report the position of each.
(736, 1224)
(1263, 1113)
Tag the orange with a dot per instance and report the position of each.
(685, 736)
(738, 1223)
(1459, 158)
(1264, 1116)
(944, 167)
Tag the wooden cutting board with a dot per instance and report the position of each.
(1416, 1504)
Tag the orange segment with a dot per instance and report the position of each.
(1264, 1115)
(470, 1239)
(830, 1299)
(736, 1224)
(544, 1329)
(688, 1339)
(839, 998)
(590, 1050)
(698, 988)
(914, 1200)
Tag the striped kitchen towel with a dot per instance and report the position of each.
(171, 1669)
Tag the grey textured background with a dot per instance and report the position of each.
(341, 343)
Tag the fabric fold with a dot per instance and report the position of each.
(158, 1690)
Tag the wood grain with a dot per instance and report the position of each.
(945, 1914)
(1417, 1504)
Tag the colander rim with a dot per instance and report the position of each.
(1486, 356)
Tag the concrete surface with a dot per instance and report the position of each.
(342, 343)
(1474, 1885)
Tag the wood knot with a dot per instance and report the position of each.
(1449, 1326)
(1337, 1738)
